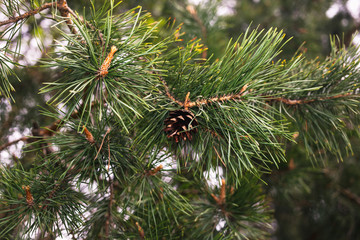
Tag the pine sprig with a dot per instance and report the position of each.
(232, 213)
(6, 72)
(141, 120)
(328, 102)
(88, 156)
(34, 201)
(248, 131)
(129, 75)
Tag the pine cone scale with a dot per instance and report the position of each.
(180, 124)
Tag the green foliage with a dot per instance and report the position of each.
(105, 168)
(332, 105)
(55, 203)
(244, 215)
(6, 71)
(129, 79)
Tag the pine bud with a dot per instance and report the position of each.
(29, 197)
(88, 135)
(140, 230)
(106, 64)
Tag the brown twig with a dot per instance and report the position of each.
(305, 101)
(220, 99)
(29, 196)
(153, 172)
(60, 4)
(217, 153)
(28, 14)
(222, 197)
(109, 153)
(50, 129)
(65, 11)
(167, 91)
(352, 196)
(2, 147)
(102, 142)
(188, 104)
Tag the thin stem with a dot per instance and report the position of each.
(109, 153)
(219, 99)
(107, 131)
(305, 101)
(350, 195)
(167, 91)
(217, 153)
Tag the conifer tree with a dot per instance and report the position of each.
(141, 119)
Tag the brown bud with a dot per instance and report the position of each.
(88, 135)
(106, 64)
(156, 170)
(29, 197)
(140, 230)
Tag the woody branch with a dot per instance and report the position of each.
(28, 14)
(189, 104)
(305, 101)
(64, 9)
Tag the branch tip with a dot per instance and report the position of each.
(140, 230)
(155, 171)
(221, 199)
(88, 135)
(29, 196)
(187, 101)
(106, 64)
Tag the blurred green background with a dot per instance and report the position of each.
(311, 200)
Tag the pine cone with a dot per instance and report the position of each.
(181, 124)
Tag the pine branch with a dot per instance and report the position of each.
(64, 9)
(188, 104)
(2, 147)
(168, 93)
(28, 14)
(219, 99)
(65, 13)
(305, 101)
